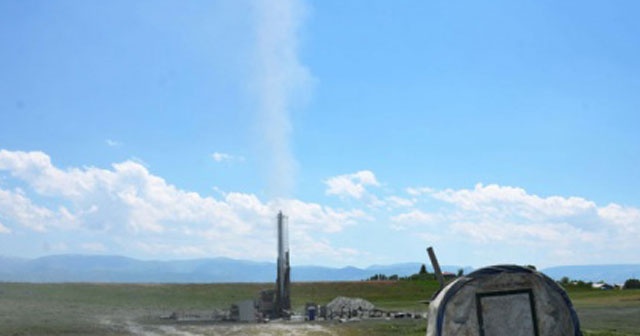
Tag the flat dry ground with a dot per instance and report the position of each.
(134, 309)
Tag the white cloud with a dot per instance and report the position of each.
(58, 247)
(400, 202)
(36, 168)
(313, 249)
(182, 251)
(313, 217)
(131, 211)
(93, 247)
(555, 227)
(113, 143)
(4, 229)
(419, 191)
(141, 213)
(219, 157)
(429, 238)
(625, 218)
(17, 208)
(351, 185)
(412, 219)
(224, 157)
(503, 198)
(510, 233)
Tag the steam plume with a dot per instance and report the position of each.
(281, 80)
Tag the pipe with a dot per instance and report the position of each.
(436, 266)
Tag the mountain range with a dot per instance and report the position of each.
(612, 274)
(101, 268)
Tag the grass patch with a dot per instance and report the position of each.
(124, 309)
(394, 327)
(388, 295)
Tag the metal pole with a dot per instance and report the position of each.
(436, 266)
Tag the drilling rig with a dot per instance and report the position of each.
(283, 280)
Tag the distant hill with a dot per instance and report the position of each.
(613, 274)
(92, 268)
(317, 273)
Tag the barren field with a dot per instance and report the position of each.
(133, 309)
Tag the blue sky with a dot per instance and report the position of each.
(502, 132)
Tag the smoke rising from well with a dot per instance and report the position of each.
(281, 80)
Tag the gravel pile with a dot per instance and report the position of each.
(342, 303)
